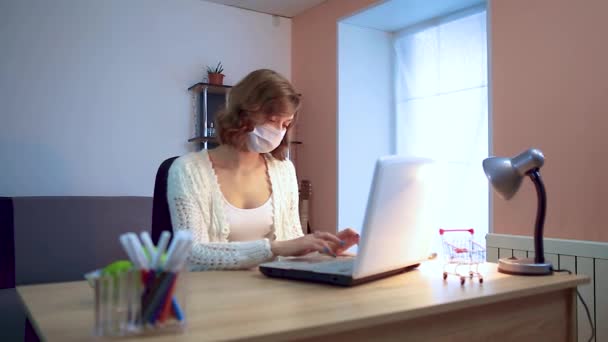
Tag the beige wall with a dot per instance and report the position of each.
(549, 90)
(314, 73)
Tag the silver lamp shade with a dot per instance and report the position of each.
(506, 174)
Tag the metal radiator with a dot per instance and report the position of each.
(581, 257)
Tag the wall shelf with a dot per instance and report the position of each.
(203, 139)
(211, 88)
(207, 99)
(215, 140)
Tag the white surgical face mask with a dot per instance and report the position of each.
(265, 138)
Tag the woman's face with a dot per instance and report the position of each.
(282, 120)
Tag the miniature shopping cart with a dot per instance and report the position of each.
(462, 254)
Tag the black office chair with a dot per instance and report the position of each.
(161, 217)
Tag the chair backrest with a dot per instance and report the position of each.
(7, 244)
(161, 217)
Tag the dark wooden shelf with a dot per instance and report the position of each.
(211, 88)
(214, 140)
(203, 139)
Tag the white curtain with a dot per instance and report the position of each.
(442, 113)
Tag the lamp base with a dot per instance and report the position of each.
(525, 266)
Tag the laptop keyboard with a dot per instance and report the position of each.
(340, 265)
(335, 267)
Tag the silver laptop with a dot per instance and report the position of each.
(396, 235)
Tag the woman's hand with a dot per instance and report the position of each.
(318, 241)
(349, 237)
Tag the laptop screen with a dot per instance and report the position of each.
(398, 228)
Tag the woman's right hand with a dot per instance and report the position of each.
(318, 241)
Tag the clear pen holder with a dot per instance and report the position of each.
(140, 302)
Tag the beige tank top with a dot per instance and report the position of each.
(249, 224)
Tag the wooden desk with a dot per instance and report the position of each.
(420, 305)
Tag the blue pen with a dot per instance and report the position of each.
(177, 310)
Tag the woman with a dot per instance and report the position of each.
(240, 200)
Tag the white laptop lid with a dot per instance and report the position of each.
(397, 228)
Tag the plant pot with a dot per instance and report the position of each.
(215, 78)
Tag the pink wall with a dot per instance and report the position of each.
(314, 73)
(550, 90)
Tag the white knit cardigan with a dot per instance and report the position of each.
(196, 204)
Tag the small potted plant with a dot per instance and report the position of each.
(215, 74)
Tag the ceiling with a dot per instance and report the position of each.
(283, 8)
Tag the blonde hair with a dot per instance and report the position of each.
(262, 91)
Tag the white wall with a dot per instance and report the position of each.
(93, 93)
(365, 115)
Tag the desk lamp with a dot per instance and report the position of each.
(506, 175)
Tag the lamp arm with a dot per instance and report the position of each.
(539, 252)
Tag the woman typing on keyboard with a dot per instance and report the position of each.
(240, 200)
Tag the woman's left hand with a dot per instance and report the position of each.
(350, 238)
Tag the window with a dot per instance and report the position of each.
(442, 111)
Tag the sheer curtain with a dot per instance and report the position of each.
(442, 112)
